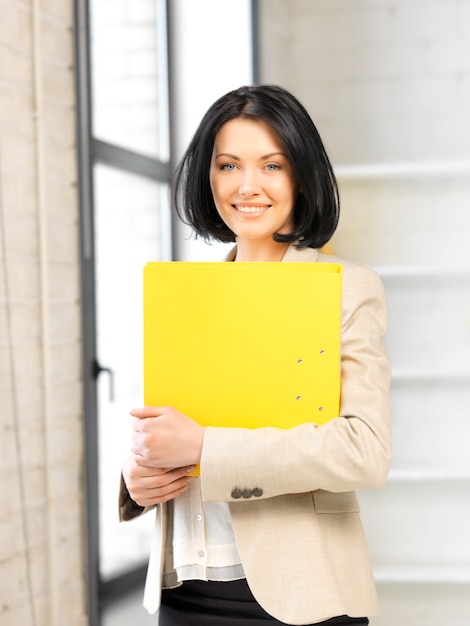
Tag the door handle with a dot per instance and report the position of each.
(98, 369)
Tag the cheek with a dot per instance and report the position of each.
(221, 189)
(217, 196)
(211, 183)
(285, 192)
(214, 182)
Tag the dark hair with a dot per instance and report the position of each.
(316, 209)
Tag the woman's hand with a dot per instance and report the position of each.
(164, 437)
(148, 485)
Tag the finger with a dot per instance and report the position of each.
(169, 474)
(145, 453)
(150, 499)
(139, 425)
(160, 486)
(146, 471)
(177, 491)
(179, 472)
(148, 411)
(161, 493)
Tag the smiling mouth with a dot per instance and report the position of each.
(252, 210)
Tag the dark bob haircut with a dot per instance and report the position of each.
(316, 209)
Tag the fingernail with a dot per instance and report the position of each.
(191, 469)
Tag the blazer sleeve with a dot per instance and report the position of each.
(352, 451)
(128, 509)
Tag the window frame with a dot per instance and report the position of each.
(92, 151)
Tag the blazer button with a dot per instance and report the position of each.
(257, 492)
(247, 493)
(236, 493)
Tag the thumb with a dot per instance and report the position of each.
(147, 411)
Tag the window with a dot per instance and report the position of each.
(123, 126)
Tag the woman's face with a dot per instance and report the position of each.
(252, 181)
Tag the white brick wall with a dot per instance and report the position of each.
(41, 421)
(385, 80)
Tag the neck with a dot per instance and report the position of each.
(265, 251)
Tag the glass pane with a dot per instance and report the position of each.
(128, 235)
(129, 75)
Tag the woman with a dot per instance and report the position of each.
(256, 173)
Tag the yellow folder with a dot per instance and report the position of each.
(243, 344)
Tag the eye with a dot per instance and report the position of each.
(272, 167)
(227, 167)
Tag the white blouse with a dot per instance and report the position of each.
(200, 540)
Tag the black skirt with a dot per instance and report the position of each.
(199, 603)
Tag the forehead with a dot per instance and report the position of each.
(247, 135)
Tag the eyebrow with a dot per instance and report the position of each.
(263, 158)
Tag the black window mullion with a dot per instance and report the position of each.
(129, 161)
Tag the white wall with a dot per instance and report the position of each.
(388, 84)
(386, 80)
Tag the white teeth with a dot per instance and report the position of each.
(250, 209)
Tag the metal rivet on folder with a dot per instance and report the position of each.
(320, 408)
(322, 352)
(299, 360)
(298, 397)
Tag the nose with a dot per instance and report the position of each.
(249, 184)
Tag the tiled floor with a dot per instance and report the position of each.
(128, 611)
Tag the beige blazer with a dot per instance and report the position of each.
(301, 542)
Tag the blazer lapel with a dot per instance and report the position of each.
(300, 255)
